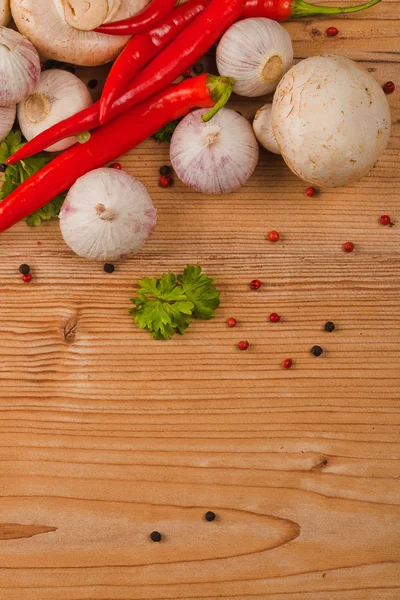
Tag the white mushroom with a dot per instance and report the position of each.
(262, 126)
(60, 29)
(5, 13)
(331, 120)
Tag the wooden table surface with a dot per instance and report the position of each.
(107, 435)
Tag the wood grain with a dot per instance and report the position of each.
(107, 435)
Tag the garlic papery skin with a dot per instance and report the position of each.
(7, 118)
(257, 53)
(5, 12)
(19, 67)
(58, 28)
(107, 215)
(58, 95)
(262, 127)
(217, 157)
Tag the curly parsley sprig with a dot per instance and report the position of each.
(166, 306)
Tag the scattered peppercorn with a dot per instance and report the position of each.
(155, 536)
(348, 246)
(310, 192)
(255, 284)
(117, 166)
(24, 269)
(287, 364)
(165, 170)
(109, 268)
(210, 516)
(389, 87)
(3, 168)
(273, 236)
(329, 326)
(385, 220)
(27, 278)
(317, 351)
(39, 243)
(92, 84)
(165, 181)
(243, 345)
(231, 322)
(332, 31)
(274, 317)
(198, 69)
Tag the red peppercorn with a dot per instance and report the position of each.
(348, 246)
(165, 181)
(287, 364)
(231, 322)
(27, 278)
(389, 87)
(385, 220)
(274, 317)
(117, 166)
(243, 345)
(310, 192)
(273, 236)
(332, 31)
(255, 284)
(39, 243)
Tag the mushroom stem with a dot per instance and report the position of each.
(104, 214)
(85, 15)
(37, 107)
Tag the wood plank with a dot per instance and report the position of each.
(107, 435)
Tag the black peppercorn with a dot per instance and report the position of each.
(329, 326)
(24, 269)
(198, 69)
(317, 350)
(165, 170)
(92, 84)
(3, 168)
(155, 536)
(108, 268)
(210, 516)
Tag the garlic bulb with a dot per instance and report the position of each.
(7, 118)
(61, 29)
(262, 127)
(107, 215)
(19, 67)
(216, 157)
(5, 13)
(58, 95)
(257, 53)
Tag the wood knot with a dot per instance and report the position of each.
(315, 32)
(323, 462)
(69, 330)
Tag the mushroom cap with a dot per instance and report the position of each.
(43, 22)
(331, 120)
(5, 12)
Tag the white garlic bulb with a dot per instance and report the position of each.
(19, 67)
(215, 157)
(262, 127)
(58, 95)
(107, 215)
(257, 53)
(7, 118)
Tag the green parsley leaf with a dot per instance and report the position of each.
(16, 174)
(165, 134)
(166, 306)
(199, 289)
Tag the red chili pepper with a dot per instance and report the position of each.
(112, 140)
(184, 51)
(145, 46)
(283, 10)
(146, 18)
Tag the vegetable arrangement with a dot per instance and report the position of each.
(108, 215)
